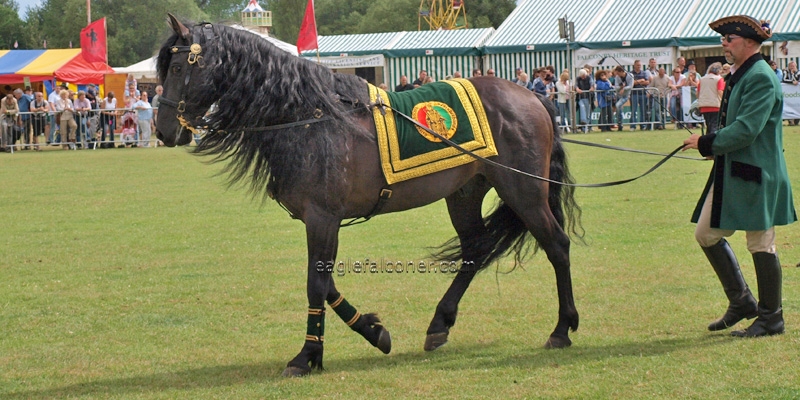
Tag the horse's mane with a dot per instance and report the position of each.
(255, 84)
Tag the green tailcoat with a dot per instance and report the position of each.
(751, 186)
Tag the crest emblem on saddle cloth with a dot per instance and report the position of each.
(438, 117)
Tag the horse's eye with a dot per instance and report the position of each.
(176, 69)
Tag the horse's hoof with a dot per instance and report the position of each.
(435, 340)
(295, 372)
(557, 342)
(384, 341)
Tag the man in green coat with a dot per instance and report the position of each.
(748, 188)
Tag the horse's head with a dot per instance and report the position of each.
(187, 91)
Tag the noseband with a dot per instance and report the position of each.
(195, 58)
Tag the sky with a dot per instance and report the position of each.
(24, 4)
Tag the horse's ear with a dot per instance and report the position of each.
(178, 27)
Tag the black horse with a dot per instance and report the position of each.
(327, 172)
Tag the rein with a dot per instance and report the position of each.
(625, 149)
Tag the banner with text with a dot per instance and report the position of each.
(614, 57)
(791, 101)
(344, 61)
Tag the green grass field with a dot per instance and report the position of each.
(136, 274)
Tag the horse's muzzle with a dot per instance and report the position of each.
(184, 136)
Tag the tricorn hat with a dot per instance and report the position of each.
(744, 26)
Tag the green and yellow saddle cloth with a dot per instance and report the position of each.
(450, 108)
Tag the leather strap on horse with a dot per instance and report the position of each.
(383, 198)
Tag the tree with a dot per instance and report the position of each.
(287, 15)
(390, 16)
(223, 10)
(337, 17)
(135, 30)
(494, 11)
(11, 27)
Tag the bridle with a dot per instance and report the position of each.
(195, 58)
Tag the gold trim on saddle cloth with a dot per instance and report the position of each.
(396, 169)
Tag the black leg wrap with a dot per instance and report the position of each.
(310, 356)
(741, 303)
(770, 310)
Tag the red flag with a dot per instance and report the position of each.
(307, 39)
(93, 41)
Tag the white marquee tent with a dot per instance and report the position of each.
(147, 68)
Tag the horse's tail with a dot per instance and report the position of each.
(505, 232)
(562, 197)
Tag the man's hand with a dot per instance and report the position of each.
(691, 142)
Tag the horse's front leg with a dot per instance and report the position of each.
(322, 232)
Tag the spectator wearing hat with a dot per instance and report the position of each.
(748, 188)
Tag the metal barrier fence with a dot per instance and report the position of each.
(100, 128)
(643, 108)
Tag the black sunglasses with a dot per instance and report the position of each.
(728, 38)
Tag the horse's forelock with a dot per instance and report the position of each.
(164, 58)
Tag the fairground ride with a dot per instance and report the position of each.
(442, 14)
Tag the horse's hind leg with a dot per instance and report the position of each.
(464, 207)
(529, 202)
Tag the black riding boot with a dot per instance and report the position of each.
(770, 312)
(742, 304)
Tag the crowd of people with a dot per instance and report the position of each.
(74, 120)
(655, 96)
